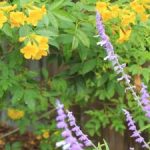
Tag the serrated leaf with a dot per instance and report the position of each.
(24, 30)
(47, 32)
(17, 95)
(7, 30)
(53, 20)
(74, 43)
(88, 66)
(63, 15)
(30, 96)
(83, 53)
(83, 38)
(56, 5)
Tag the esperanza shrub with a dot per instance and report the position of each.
(82, 77)
(36, 45)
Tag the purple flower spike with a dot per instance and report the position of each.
(61, 125)
(76, 129)
(66, 133)
(145, 100)
(135, 133)
(69, 142)
(111, 56)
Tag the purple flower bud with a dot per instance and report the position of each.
(66, 133)
(61, 125)
(61, 117)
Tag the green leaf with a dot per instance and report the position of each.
(7, 30)
(45, 73)
(74, 43)
(88, 66)
(63, 15)
(53, 20)
(144, 128)
(99, 147)
(47, 32)
(17, 95)
(25, 30)
(75, 68)
(83, 52)
(67, 52)
(106, 145)
(83, 38)
(59, 84)
(56, 4)
(30, 96)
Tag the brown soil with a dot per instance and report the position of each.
(28, 140)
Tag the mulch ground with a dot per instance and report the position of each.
(28, 140)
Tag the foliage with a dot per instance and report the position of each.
(81, 76)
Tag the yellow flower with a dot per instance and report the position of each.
(30, 50)
(21, 39)
(15, 114)
(8, 8)
(46, 135)
(137, 7)
(41, 40)
(127, 19)
(39, 54)
(145, 1)
(115, 10)
(144, 17)
(3, 19)
(107, 15)
(43, 9)
(125, 12)
(101, 6)
(36, 15)
(36, 48)
(17, 19)
(124, 35)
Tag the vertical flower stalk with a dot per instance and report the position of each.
(145, 100)
(111, 56)
(77, 131)
(67, 122)
(69, 142)
(135, 133)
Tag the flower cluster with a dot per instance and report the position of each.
(5, 11)
(145, 100)
(67, 123)
(15, 114)
(36, 47)
(32, 15)
(111, 56)
(126, 16)
(135, 133)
